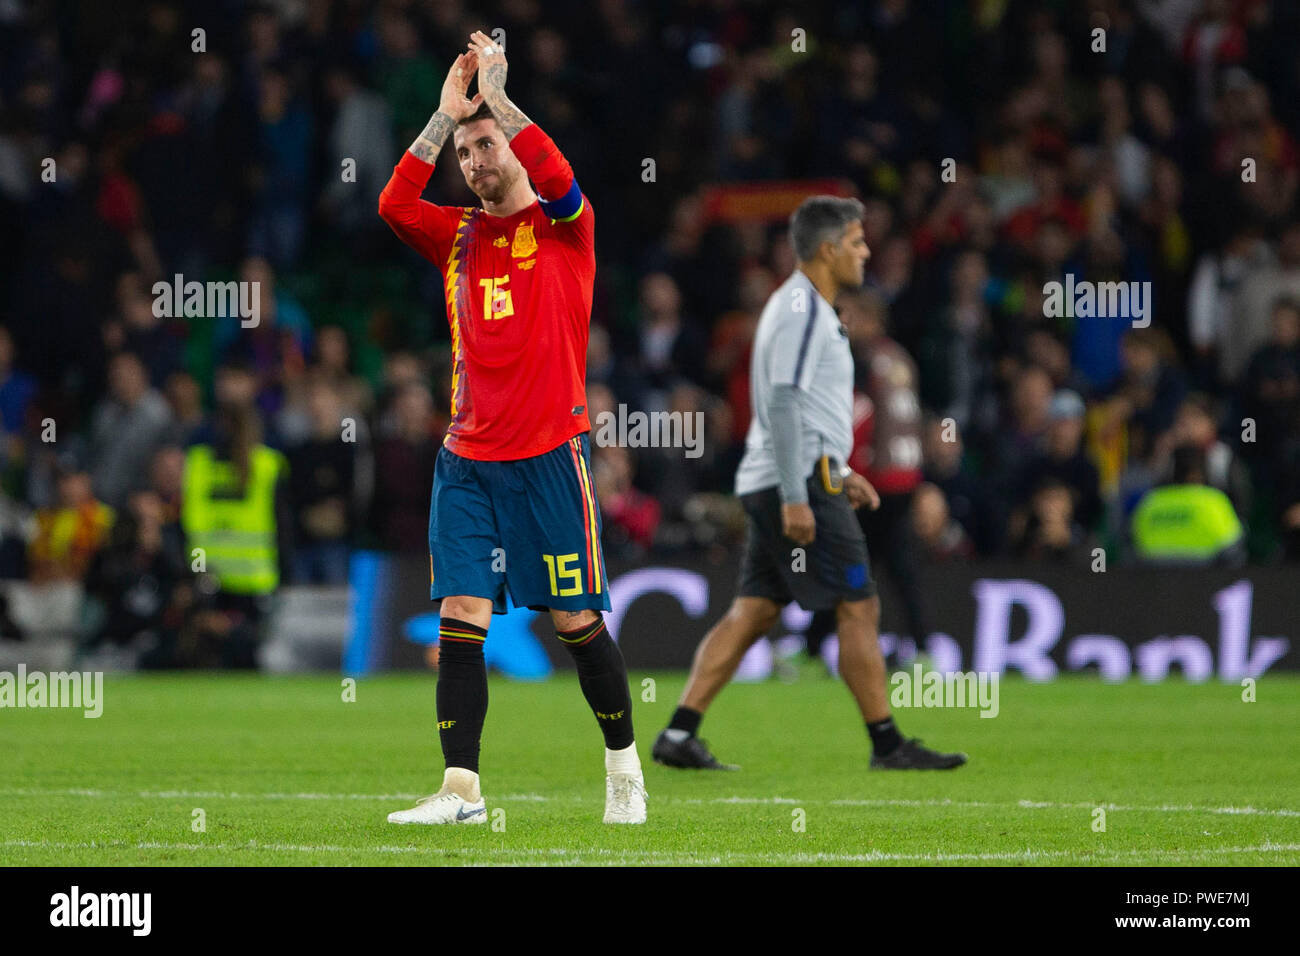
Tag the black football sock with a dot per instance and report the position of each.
(885, 737)
(462, 692)
(687, 720)
(603, 678)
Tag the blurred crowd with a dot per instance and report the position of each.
(225, 139)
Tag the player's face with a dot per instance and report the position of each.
(489, 167)
(850, 255)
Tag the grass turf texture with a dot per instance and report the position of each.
(288, 773)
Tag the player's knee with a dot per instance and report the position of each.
(572, 620)
(865, 613)
(754, 617)
(472, 610)
(589, 643)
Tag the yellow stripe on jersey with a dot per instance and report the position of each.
(593, 530)
(453, 275)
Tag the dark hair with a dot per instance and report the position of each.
(241, 365)
(238, 429)
(1188, 466)
(129, 355)
(869, 302)
(1202, 403)
(819, 219)
(483, 112)
(1285, 302)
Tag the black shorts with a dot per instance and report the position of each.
(832, 569)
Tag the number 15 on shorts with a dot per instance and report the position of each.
(557, 566)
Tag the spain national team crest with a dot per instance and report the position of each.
(524, 245)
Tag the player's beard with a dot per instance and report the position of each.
(494, 191)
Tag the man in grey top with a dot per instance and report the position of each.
(804, 542)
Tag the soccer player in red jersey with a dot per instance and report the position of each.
(514, 505)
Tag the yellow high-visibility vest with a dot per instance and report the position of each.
(1184, 523)
(236, 532)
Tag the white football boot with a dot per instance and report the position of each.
(625, 794)
(459, 801)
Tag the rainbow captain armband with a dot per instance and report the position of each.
(565, 209)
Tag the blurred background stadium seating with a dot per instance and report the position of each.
(1116, 165)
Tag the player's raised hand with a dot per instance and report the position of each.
(492, 61)
(454, 101)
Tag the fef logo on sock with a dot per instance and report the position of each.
(616, 716)
(446, 724)
(75, 909)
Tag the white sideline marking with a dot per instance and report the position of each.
(539, 798)
(231, 795)
(576, 856)
(1047, 805)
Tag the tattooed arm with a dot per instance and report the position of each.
(428, 144)
(421, 225)
(453, 107)
(561, 198)
(491, 59)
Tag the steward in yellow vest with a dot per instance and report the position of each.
(1186, 521)
(1185, 524)
(228, 508)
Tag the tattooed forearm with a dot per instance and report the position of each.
(428, 144)
(508, 116)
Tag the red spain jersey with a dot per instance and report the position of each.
(518, 292)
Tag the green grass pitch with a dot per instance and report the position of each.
(286, 772)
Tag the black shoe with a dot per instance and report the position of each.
(910, 755)
(690, 754)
